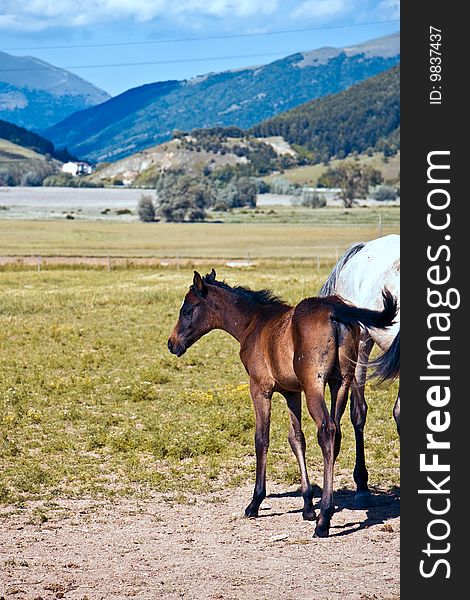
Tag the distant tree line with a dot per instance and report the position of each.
(38, 172)
(185, 197)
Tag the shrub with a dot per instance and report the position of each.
(263, 186)
(67, 180)
(279, 185)
(146, 209)
(382, 193)
(6, 177)
(312, 199)
(32, 178)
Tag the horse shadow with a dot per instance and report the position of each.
(385, 505)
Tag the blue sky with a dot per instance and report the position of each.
(78, 33)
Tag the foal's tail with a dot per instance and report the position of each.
(352, 316)
(387, 366)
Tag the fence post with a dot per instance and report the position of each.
(39, 264)
(380, 225)
(109, 264)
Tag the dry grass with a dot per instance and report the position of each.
(203, 240)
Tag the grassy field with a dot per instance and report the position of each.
(324, 231)
(92, 403)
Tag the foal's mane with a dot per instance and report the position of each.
(265, 297)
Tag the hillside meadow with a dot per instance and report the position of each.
(93, 404)
(309, 174)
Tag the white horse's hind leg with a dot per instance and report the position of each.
(358, 419)
(396, 412)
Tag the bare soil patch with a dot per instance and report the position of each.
(157, 548)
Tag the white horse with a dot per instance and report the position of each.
(359, 277)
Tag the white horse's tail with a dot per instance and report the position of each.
(387, 366)
(329, 287)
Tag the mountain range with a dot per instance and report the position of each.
(35, 94)
(147, 115)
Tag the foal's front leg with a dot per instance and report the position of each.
(262, 405)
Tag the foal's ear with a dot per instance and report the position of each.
(199, 285)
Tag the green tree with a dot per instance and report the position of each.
(353, 179)
(183, 197)
(236, 193)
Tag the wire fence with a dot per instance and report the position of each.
(320, 257)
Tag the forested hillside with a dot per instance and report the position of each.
(365, 117)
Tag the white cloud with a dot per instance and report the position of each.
(389, 9)
(346, 10)
(43, 14)
(320, 8)
(37, 15)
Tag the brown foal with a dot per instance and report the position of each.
(288, 350)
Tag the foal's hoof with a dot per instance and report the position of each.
(321, 532)
(363, 500)
(251, 513)
(309, 514)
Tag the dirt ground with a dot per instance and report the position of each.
(147, 549)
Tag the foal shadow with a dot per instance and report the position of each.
(385, 505)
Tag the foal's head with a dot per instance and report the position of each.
(197, 317)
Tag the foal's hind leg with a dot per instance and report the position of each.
(297, 443)
(315, 357)
(326, 434)
(358, 418)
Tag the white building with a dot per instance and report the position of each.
(77, 168)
